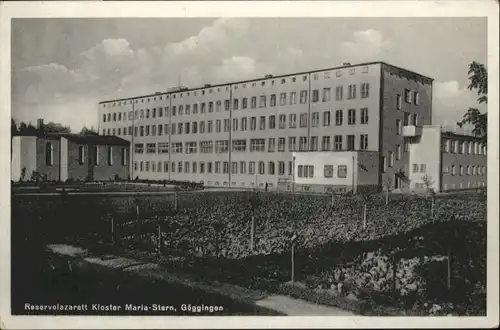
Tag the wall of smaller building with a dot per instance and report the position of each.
(64, 160)
(51, 171)
(361, 171)
(425, 158)
(105, 171)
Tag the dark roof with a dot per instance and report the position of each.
(461, 136)
(84, 138)
(267, 78)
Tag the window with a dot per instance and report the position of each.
(293, 97)
(244, 103)
(187, 128)
(253, 100)
(281, 168)
(423, 168)
(399, 102)
(282, 123)
(202, 127)
(300, 171)
(407, 96)
(315, 119)
(234, 167)
(303, 97)
(235, 124)
(160, 130)
(363, 142)
(399, 128)
(253, 123)
(173, 167)
(218, 126)
(244, 124)
(271, 168)
(351, 117)
(292, 143)
(235, 104)
(292, 120)
(282, 98)
(350, 142)
(364, 115)
(251, 168)
(391, 159)
(339, 93)
(81, 154)
(227, 125)
(262, 103)
(178, 147)
(217, 167)
(257, 145)
(365, 90)
(461, 170)
(281, 144)
(303, 120)
(271, 145)
(179, 128)
(326, 118)
(173, 130)
(326, 94)
(110, 156)
(398, 152)
(315, 95)
(206, 147)
(314, 143)
(338, 142)
(179, 167)
(328, 171)
(151, 148)
(191, 147)
(272, 122)
(406, 120)
(290, 168)
(339, 117)
(342, 171)
(221, 146)
(262, 123)
(325, 143)
(303, 143)
(139, 148)
(239, 145)
(351, 92)
(163, 147)
(273, 100)
(147, 166)
(124, 156)
(262, 168)
(243, 167)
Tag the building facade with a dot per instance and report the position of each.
(245, 134)
(63, 157)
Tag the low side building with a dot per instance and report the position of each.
(62, 157)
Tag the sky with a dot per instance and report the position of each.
(63, 67)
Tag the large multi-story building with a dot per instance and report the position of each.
(249, 133)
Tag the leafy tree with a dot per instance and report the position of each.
(88, 131)
(52, 127)
(478, 78)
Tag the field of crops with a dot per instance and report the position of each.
(438, 261)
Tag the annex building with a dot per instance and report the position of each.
(352, 127)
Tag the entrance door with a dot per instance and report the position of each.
(396, 181)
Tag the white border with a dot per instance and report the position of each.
(478, 8)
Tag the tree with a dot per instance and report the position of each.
(428, 182)
(88, 131)
(52, 127)
(478, 78)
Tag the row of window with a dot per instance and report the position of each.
(463, 147)
(244, 124)
(258, 145)
(82, 157)
(216, 167)
(462, 186)
(307, 171)
(410, 97)
(315, 76)
(284, 99)
(465, 170)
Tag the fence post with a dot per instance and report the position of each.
(364, 216)
(112, 230)
(159, 239)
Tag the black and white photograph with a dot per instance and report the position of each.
(177, 162)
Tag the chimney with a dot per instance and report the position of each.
(39, 124)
